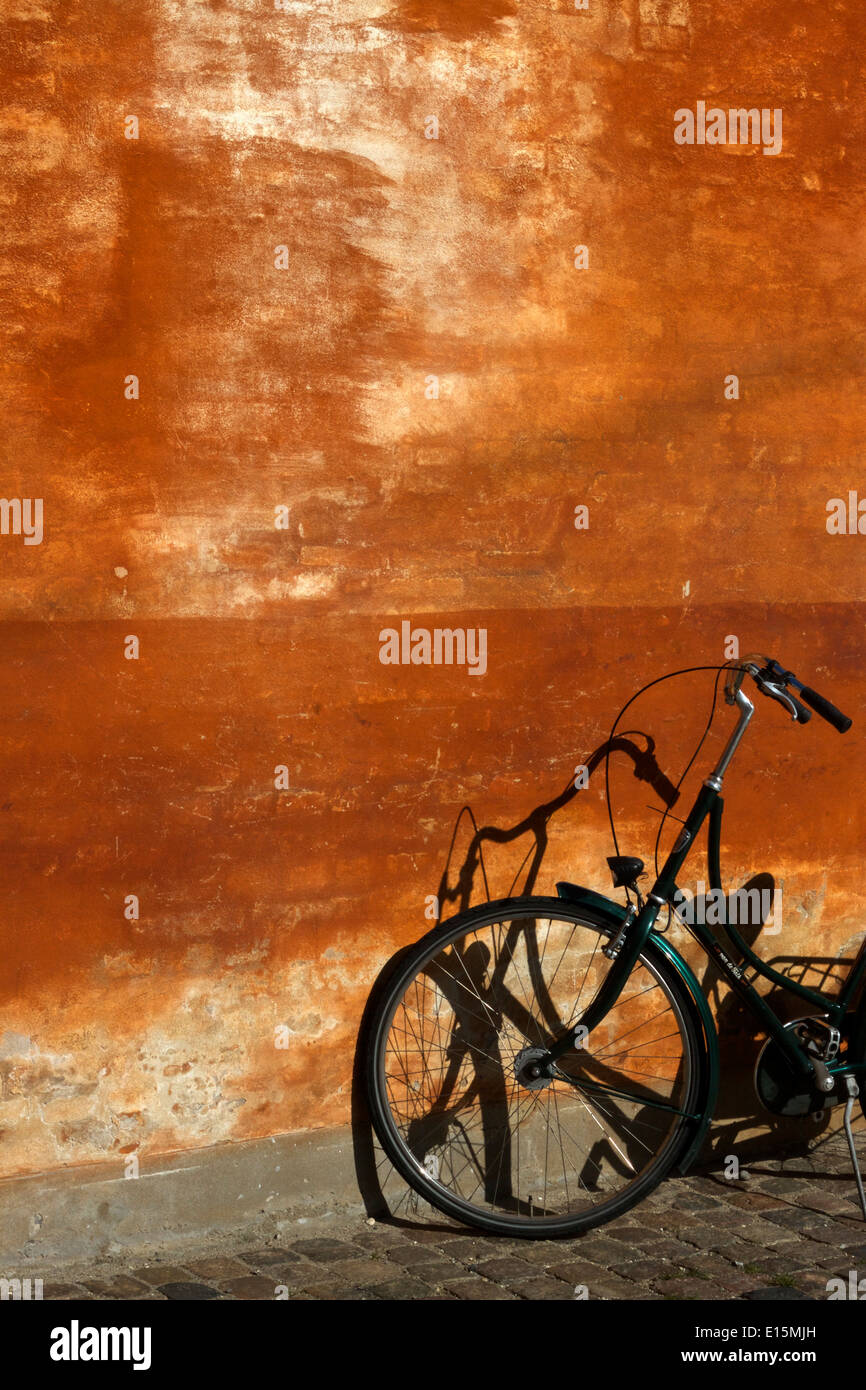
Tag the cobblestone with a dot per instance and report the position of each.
(544, 1289)
(477, 1290)
(697, 1238)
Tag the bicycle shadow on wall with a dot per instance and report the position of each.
(383, 1191)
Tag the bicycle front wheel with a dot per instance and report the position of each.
(452, 1090)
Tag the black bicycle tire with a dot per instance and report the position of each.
(540, 1228)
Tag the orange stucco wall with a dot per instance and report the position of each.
(308, 385)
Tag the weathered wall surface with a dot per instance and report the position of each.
(309, 387)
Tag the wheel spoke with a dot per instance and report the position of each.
(464, 1105)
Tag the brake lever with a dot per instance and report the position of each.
(778, 692)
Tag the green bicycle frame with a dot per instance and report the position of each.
(709, 805)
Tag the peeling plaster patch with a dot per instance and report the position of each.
(676, 13)
(28, 10)
(849, 948)
(306, 586)
(255, 955)
(207, 555)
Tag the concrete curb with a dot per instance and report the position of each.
(256, 1186)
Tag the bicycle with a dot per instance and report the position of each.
(537, 1065)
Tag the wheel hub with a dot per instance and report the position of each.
(779, 1089)
(529, 1070)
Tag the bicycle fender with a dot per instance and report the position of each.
(576, 893)
(710, 1072)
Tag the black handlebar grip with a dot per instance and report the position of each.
(803, 714)
(827, 711)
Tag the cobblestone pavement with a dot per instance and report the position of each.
(781, 1233)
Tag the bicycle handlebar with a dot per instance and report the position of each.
(826, 710)
(773, 680)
